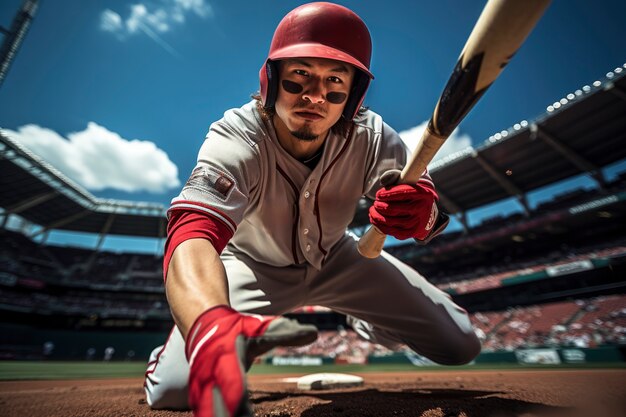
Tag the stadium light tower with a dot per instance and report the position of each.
(14, 36)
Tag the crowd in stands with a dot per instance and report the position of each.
(486, 278)
(104, 305)
(579, 323)
(74, 266)
(498, 226)
(130, 285)
(78, 267)
(34, 265)
(510, 261)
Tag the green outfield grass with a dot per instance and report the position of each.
(269, 369)
(23, 370)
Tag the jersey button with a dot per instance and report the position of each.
(308, 248)
(305, 231)
(307, 194)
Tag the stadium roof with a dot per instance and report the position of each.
(581, 133)
(32, 189)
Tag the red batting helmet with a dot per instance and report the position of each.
(321, 30)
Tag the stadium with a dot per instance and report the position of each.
(544, 285)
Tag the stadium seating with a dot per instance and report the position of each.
(39, 279)
(547, 325)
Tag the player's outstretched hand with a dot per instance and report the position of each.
(405, 210)
(222, 345)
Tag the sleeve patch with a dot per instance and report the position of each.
(223, 185)
(205, 180)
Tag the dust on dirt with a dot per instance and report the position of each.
(463, 393)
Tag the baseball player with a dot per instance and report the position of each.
(260, 226)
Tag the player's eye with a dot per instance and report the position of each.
(301, 72)
(335, 80)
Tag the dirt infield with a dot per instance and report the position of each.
(523, 393)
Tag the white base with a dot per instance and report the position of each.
(328, 381)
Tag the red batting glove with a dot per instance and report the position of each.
(222, 345)
(404, 211)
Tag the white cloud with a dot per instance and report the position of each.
(154, 21)
(110, 21)
(97, 158)
(455, 143)
(140, 18)
(161, 19)
(199, 7)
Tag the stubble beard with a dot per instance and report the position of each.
(305, 134)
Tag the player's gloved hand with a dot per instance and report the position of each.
(222, 345)
(405, 210)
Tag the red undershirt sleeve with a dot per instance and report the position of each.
(185, 224)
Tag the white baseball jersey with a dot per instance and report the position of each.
(290, 246)
(280, 211)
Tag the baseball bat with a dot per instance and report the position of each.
(499, 32)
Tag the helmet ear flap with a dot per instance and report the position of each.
(271, 74)
(360, 83)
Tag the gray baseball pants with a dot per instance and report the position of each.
(387, 302)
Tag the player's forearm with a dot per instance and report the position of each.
(196, 281)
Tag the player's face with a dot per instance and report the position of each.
(312, 93)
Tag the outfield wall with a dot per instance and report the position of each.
(25, 342)
(538, 356)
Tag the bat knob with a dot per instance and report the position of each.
(390, 177)
(371, 243)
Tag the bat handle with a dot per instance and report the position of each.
(371, 243)
(499, 32)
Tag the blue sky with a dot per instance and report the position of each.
(119, 94)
